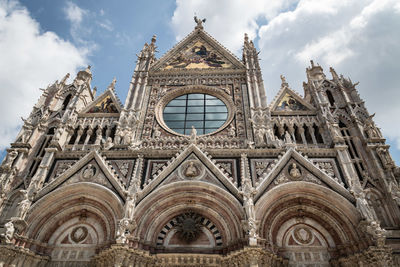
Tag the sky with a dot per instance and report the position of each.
(42, 40)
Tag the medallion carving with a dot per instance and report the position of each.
(88, 172)
(78, 234)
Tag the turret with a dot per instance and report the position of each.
(255, 84)
(137, 90)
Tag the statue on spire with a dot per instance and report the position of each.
(199, 22)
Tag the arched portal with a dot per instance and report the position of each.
(72, 222)
(309, 224)
(212, 215)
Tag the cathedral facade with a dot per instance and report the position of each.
(196, 169)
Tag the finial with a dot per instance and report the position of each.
(112, 84)
(199, 22)
(334, 74)
(312, 63)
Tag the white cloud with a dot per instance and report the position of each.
(227, 20)
(74, 13)
(358, 38)
(30, 60)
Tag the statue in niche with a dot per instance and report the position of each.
(294, 171)
(288, 138)
(191, 170)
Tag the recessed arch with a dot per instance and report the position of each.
(306, 202)
(210, 201)
(71, 200)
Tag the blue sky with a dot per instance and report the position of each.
(41, 40)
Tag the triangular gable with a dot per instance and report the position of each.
(192, 169)
(93, 155)
(181, 158)
(288, 101)
(198, 51)
(106, 103)
(316, 172)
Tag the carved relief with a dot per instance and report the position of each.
(88, 172)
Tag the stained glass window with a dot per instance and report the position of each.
(205, 112)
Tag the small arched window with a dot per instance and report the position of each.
(66, 102)
(330, 97)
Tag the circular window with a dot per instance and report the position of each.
(205, 112)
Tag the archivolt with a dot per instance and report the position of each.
(305, 200)
(214, 203)
(80, 199)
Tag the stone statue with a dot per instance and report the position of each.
(11, 156)
(112, 84)
(260, 136)
(294, 171)
(121, 231)
(23, 206)
(199, 22)
(108, 144)
(157, 133)
(288, 138)
(362, 204)
(130, 206)
(385, 157)
(232, 131)
(248, 193)
(26, 134)
(193, 135)
(10, 230)
(370, 128)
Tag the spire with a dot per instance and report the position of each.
(335, 77)
(64, 79)
(315, 72)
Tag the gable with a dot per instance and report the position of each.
(304, 170)
(198, 55)
(106, 103)
(198, 51)
(192, 169)
(288, 101)
(91, 168)
(191, 164)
